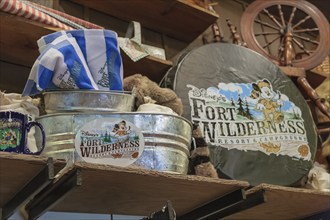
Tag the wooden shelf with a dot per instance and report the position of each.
(176, 18)
(152, 67)
(18, 45)
(108, 189)
(286, 203)
(16, 170)
(18, 39)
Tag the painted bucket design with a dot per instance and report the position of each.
(87, 101)
(167, 138)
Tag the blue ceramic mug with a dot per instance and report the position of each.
(14, 129)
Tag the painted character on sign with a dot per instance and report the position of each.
(121, 130)
(269, 102)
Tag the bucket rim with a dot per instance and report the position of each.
(63, 92)
(114, 113)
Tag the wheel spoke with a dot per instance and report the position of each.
(273, 18)
(281, 48)
(306, 39)
(292, 15)
(302, 21)
(281, 14)
(266, 33)
(306, 30)
(286, 31)
(301, 46)
(267, 25)
(269, 43)
(263, 30)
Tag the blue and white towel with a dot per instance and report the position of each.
(78, 59)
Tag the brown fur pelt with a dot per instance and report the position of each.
(326, 150)
(144, 87)
(200, 163)
(323, 92)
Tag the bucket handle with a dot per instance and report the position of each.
(134, 32)
(193, 144)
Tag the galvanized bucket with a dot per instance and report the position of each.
(87, 101)
(167, 138)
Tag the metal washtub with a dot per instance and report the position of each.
(167, 138)
(87, 101)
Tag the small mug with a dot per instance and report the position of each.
(14, 129)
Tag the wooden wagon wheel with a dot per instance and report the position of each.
(283, 35)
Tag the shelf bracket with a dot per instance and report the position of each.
(251, 200)
(213, 207)
(53, 193)
(39, 182)
(166, 213)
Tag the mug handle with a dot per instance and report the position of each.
(28, 128)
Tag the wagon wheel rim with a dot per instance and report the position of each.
(281, 24)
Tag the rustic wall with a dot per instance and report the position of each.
(232, 9)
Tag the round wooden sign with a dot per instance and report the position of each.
(258, 125)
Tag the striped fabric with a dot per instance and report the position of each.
(77, 59)
(53, 15)
(21, 9)
(78, 21)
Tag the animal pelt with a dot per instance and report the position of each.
(326, 149)
(323, 92)
(200, 163)
(143, 87)
(318, 178)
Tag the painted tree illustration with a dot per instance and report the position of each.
(107, 137)
(279, 98)
(240, 106)
(104, 81)
(136, 137)
(247, 111)
(232, 101)
(296, 115)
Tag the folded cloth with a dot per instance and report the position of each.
(101, 52)
(60, 65)
(78, 59)
(155, 108)
(149, 106)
